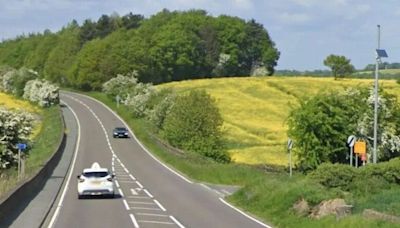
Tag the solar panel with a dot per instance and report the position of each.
(381, 53)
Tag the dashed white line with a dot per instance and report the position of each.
(126, 205)
(148, 193)
(159, 205)
(139, 184)
(116, 183)
(120, 192)
(156, 222)
(134, 220)
(147, 208)
(132, 177)
(176, 221)
(126, 170)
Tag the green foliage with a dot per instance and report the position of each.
(339, 65)
(194, 123)
(335, 175)
(20, 78)
(321, 125)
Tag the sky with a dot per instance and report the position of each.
(304, 31)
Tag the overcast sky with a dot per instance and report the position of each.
(305, 31)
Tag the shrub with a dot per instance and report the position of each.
(161, 109)
(20, 78)
(193, 124)
(137, 101)
(42, 92)
(121, 85)
(15, 127)
(7, 81)
(334, 175)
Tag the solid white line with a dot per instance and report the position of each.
(126, 205)
(150, 214)
(176, 221)
(116, 183)
(246, 215)
(120, 192)
(134, 192)
(148, 193)
(137, 140)
(134, 220)
(159, 205)
(205, 186)
(138, 183)
(60, 203)
(132, 177)
(156, 222)
(226, 192)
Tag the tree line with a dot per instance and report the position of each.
(168, 46)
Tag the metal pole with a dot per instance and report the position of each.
(351, 156)
(374, 155)
(356, 161)
(19, 164)
(290, 162)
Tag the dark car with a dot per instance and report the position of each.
(120, 132)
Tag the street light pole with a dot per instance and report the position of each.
(374, 155)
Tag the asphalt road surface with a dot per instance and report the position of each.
(149, 193)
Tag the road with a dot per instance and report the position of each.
(150, 194)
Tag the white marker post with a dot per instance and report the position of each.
(117, 99)
(289, 147)
(21, 147)
(351, 140)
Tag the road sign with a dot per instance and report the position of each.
(21, 146)
(290, 144)
(360, 147)
(351, 140)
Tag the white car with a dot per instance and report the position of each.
(95, 181)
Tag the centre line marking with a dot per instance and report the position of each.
(134, 220)
(132, 177)
(148, 193)
(159, 205)
(138, 183)
(120, 192)
(126, 205)
(176, 221)
(116, 183)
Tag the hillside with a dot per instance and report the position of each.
(255, 110)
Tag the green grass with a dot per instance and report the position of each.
(44, 145)
(269, 196)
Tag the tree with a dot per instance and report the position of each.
(321, 125)
(194, 124)
(339, 65)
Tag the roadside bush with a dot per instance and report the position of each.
(7, 81)
(138, 104)
(20, 78)
(194, 124)
(15, 127)
(121, 85)
(160, 105)
(335, 175)
(41, 92)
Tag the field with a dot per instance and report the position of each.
(255, 110)
(12, 103)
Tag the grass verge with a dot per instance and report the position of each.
(44, 145)
(267, 195)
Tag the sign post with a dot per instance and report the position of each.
(350, 142)
(117, 99)
(21, 170)
(289, 147)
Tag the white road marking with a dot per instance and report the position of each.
(246, 215)
(133, 192)
(126, 170)
(159, 205)
(205, 186)
(148, 193)
(137, 140)
(176, 221)
(137, 202)
(146, 208)
(125, 181)
(156, 222)
(139, 184)
(60, 203)
(134, 220)
(139, 197)
(132, 177)
(226, 192)
(150, 214)
(126, 205)
(120, 192)
(116, 183)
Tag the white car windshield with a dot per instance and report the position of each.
(95, 174)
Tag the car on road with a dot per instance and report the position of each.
(95, 181)
(120, 132)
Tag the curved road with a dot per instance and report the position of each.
(150, 193)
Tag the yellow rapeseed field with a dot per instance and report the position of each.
(255, 110)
